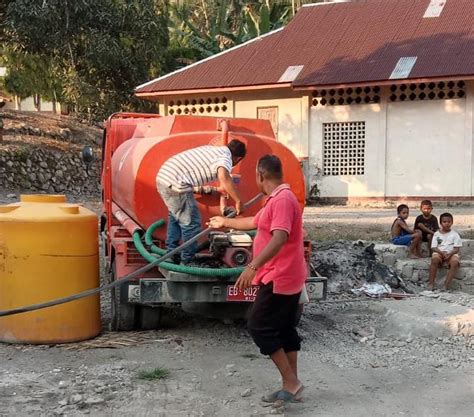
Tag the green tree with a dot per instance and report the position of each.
(100, 49)
(199, 29)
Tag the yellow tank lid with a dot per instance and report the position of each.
(44, 207)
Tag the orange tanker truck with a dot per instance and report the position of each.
(133, 224)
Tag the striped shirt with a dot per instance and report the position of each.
(194, 167)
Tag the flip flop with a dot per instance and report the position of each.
(285, 397)
(271, 398)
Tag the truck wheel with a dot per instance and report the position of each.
(123, 313)
(149, 318)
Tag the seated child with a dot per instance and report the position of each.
(445, 245)
(403, 235)
(426, 222)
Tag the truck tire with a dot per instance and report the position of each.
(149, 318)
(124, 314)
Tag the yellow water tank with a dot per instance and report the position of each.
(48, 250)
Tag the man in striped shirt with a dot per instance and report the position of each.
(193, 168)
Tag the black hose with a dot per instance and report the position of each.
(121, 281)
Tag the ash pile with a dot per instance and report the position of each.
(349, 265)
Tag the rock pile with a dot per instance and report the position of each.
(348, 265)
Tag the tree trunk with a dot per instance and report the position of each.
(37, 102)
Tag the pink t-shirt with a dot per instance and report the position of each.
(288, 268)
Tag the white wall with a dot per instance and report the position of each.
(292, 115)
(372, 182)
(28, 104)
(428, 149)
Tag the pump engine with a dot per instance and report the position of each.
(233, 248)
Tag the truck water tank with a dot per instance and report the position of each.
(48, 250)
(136, 162)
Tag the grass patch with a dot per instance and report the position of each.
(155, 374)
(250, 356)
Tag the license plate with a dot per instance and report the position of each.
(236, 294)
(314, 291)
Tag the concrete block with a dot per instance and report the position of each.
(415, 277)
(407, 271)
(468, 287)
(389, 259)
(467, 250)
(401, 252)
(423, 275)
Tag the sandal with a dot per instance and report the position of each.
(271, 398)
(284, 397)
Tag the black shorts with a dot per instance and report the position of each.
(272, 321)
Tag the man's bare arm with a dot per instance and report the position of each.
(242, 223)
(227, 184)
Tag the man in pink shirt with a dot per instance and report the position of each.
(279, 267)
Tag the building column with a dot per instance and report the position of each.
(469, 141)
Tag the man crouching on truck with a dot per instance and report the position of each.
(279, 267)
(193, 168)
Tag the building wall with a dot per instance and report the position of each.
(371, 183)
(413, 148)
(292, 109)
(426, 149)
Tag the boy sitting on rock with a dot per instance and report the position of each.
(426, 223)
(445, 246)
(403, 235)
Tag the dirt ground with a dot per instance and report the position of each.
(347, 364)
(352, 364)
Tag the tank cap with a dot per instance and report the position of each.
(43, 198)
(73, 209)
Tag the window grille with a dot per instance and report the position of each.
(344, 148)
(441, 90)
(345, 96)
(197, 106)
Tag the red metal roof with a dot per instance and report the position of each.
(341, 43)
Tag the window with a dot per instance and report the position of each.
(271, 114)
(344, 148)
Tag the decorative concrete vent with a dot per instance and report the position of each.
(198, 106)
(344, 148)
(441, 90)
(344, 96)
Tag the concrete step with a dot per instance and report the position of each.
(389, 253)
(417, 270)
